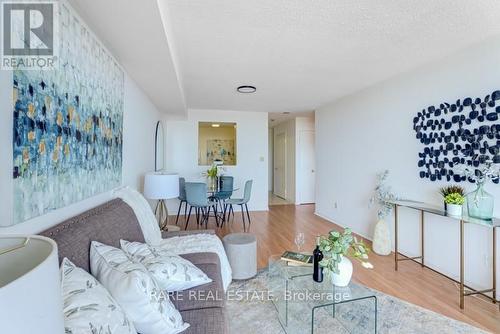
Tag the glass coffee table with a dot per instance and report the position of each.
(305, 306)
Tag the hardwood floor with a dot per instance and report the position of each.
(275, 231)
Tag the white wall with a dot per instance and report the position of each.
(371, 130)
(252, 150)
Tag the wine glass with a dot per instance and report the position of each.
(299, 240)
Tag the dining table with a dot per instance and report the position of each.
(212, 194)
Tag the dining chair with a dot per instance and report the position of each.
(242, 202)
(196, 197)
(226, 190)
(182, 199)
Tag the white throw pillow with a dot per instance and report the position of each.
(88, 306)
(146, 305)
(171, 272)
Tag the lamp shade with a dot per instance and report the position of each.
(30, 286)
(161, 185)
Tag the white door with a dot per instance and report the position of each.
(307, 166)
(280, 165)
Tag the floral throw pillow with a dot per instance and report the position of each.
(171, 272)
(88, 306)
(146, 305)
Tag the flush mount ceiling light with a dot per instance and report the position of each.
(246, 89)
(215, 125)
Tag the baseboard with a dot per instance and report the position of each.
(331, 220)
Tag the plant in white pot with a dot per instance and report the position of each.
(454, 203)
(445, 191)
(335, 247)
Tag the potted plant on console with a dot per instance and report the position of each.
(454, 202)
(335, 247)
(454, 198)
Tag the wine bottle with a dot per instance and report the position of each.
(317, 257)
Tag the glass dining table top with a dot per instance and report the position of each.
(214, 190)
(421, 206)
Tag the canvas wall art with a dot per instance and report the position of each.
(68, 125)
(221, 150)
(464, 132)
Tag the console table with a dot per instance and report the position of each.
(464, 220)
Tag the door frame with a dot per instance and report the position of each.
(285, 169)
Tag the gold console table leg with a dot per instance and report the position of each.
(422, 234)
(494, 248)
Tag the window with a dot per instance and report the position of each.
(216, 143)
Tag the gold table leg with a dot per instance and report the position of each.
(494, 292)
(422, 233)
(396, 237)
(462, 292)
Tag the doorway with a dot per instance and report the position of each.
(306, 172)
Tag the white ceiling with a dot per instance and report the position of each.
(301, 54)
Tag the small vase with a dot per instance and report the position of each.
(345, 273)
(381, 238)
(480, 203)
(212, 183)
(454, 210)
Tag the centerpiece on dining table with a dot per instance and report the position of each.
(212, 175)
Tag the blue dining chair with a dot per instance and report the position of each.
(226, 190)
(196, 197)
(242, 202)
(182, 199)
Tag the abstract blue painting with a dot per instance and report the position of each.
(68, 125)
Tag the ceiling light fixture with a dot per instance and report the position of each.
(246, 89)
(286, 113)
(215, 125)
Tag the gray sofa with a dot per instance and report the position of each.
(115, 220)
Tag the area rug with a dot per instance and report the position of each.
(248, 313)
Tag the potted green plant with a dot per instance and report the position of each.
(445, 191)
(335, 247)
(454, 202)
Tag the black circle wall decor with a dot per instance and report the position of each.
(464, 132)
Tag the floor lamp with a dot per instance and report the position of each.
(161, 186)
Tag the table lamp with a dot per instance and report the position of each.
(30, 286)
(161, 186)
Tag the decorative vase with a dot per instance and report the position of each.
(381, 238)
(480, 203)
(454, 210)
(345, 273)
(212, 183)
